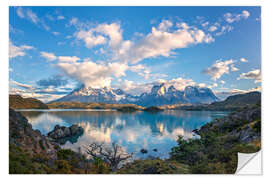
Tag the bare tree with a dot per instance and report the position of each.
(113, 155)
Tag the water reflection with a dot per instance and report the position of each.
(133, 131)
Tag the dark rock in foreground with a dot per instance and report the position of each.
(62, 134)
(21, 134)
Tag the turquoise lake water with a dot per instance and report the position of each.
(133, 131)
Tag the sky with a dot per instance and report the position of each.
(53, 50)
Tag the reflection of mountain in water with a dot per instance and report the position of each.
(133, 131)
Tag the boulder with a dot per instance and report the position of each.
(60, 132)
(144, 151)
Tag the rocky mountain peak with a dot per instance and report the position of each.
(159, 95)
(172, 89)
(158, 89)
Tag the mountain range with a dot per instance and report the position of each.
(159, 95)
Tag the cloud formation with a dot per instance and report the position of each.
(93, 74)
(243, 60)
(15, 51)
(254, 74)
(230, 18)
(51, 57)
(25, 86)
(55, 81)
(68, 58)
(160, 42)
(48, 56)
(219, 68)
(28, 14)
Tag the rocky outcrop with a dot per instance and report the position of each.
(61, 133)
(243, 125)
(21, 134)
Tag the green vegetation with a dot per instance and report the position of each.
(154, 166)
(18, 102)
(128, 109)
(216, 151)
(68, 162)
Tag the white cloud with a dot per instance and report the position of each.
(74, 21)
(60, 17)
(182, 25)
(245, 14)
(180, 83)
(89, 39)
(205, 24)
(224, 29)
(254, 74)
(68, 58)
(165, 25)
(68, 37)
(160, 43)
(146, 72)
(52, 56)
(218, 69)
(201, 85)
(233, 68)
(56, 33)
(93, 74)
(230, 18)
(30, 93)
(137, 68)
(15, 51)
(48, 56)
(243, 60)
(20, 12)
(213, 28)
(25, 86)
(32, 16)
(114, 32)
(87, 59)
(213, 85)
(50, 17)
(222, 82)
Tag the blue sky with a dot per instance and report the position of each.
(55, 49)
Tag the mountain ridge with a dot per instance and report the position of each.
(159, 95)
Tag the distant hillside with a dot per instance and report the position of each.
(234, 102)
(80, 105)
(18, 102)
(238, 100)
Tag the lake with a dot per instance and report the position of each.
(133, 131)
